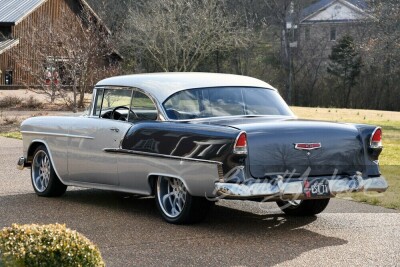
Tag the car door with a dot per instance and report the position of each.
(88, 163)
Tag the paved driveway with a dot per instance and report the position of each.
(130, 232)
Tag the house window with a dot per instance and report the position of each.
(307, 34)
(333, 34)
(8, 77)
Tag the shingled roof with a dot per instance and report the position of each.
(362, 4)
(7, 44)
(14, 11)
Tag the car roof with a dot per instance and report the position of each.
(163, 85)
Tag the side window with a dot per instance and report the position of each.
(142, 107)
(116, 104)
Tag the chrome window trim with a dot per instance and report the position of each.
(292, 115)
(161, 114)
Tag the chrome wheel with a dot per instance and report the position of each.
(172, 195)
(41, 171)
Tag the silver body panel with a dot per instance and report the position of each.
(77, 149)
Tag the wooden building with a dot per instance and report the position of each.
(18, 19)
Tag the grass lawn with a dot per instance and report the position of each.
(390, 157)
(16, 135)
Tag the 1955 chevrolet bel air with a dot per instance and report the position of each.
(193, 138)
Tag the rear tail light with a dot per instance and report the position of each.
(376, 138)
(241, 144)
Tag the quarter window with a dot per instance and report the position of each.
(98, 101)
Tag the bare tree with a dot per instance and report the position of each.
(285, 15)
(70, 52)
(178, 35)
(383, 56)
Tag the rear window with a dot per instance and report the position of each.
(225, 101)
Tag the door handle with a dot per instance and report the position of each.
(114, 129)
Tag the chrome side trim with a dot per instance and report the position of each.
(57, 134)
(294, 189)
(141, 153)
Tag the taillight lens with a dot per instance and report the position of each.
(376, 138)
(241, 144)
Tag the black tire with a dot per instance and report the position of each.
(44, 179)
(192, 211)
(309, 207)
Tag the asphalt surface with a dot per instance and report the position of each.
(130, 232)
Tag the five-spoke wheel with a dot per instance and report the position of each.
(176, 204)
(172, 196)
(41, 171)
(44, 179)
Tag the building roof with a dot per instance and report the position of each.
(163, 85)
(361, 4)
(7, 44)
(13, 11)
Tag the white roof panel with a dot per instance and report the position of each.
(163, 85)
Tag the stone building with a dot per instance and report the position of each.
(323, 23)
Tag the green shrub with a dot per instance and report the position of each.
(47, 245)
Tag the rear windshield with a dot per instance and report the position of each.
(225, 101)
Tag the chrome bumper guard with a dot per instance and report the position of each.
(294, 189)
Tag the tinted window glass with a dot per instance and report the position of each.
(225, 101)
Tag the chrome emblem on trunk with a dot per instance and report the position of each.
(307, 146)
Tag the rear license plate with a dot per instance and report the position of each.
(316, 188)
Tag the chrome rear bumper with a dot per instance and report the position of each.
(294, 189)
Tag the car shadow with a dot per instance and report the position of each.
(127, 227)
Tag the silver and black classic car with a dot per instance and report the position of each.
(190, 139)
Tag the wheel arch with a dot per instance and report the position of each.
(32, 148)
(152, 181)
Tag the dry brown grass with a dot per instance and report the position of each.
(347, 115)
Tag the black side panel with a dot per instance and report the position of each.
(206, 142)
